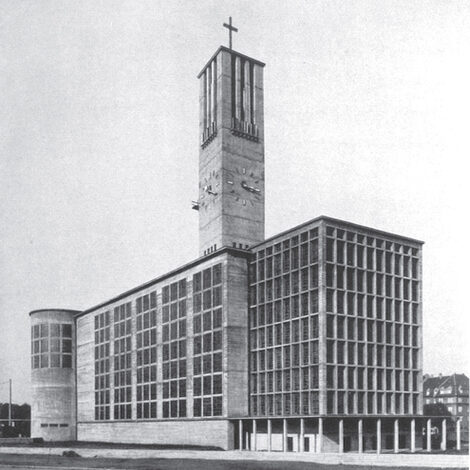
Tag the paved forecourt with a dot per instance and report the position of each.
(385, 460)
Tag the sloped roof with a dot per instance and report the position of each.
(446, 385)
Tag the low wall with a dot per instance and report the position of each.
(217, 433)
(16, 440)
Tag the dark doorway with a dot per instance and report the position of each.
(373, 443)
(290, 444)
(347, 443)
(389, 441)
(402, 441)
(306, 444)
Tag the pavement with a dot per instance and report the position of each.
(372, 459)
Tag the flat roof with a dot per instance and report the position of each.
(332, 220)
(239, 54)
(41, 310)
(231, 251)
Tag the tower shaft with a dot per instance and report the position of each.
(231, 157)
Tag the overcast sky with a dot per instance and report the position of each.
(367, 119)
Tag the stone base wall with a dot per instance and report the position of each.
(217, 433)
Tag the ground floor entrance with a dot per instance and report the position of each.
(345, 434)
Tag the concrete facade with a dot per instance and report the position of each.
(336, 322)
(306, 341)
(217, 433)
(234, 371)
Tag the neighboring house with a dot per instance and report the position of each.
(452, 392)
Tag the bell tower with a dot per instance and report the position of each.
(231, 154)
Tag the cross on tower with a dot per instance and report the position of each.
(230, 29)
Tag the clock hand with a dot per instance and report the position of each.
(250, 188)
(208, 190)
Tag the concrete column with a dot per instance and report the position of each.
(458, 443)
(396, 435)
(284, 435)
(247, 440)
(134, 363)
(428, 435)
(254, 435)
(225, 81)
(379, 436)
(270, 436)
(413, 435)
(255, 94)
(320, 435)
(322, 322)
(341, 436)
(240, 434)
(302, 435)
(237, 88)
(360, 436)
(202, 105)
(204, 100)
(214, 92)
(444, 435)
(208, 97)
(247, 94)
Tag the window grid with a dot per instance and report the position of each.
(174, 303)
(123, 362)
(146, 337)
(284, 327)
(51, 345)
(102, 366)
(207, 329)
(372, 324)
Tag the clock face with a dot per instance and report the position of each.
(243, 185)
(239, 183)
(209, 188)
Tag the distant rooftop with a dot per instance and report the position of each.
(455, 384)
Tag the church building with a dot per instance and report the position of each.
(310, 340)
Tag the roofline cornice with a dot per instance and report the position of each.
(225, 250)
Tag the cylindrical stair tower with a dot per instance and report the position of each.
(53, 413)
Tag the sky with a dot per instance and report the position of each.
(366, 119)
